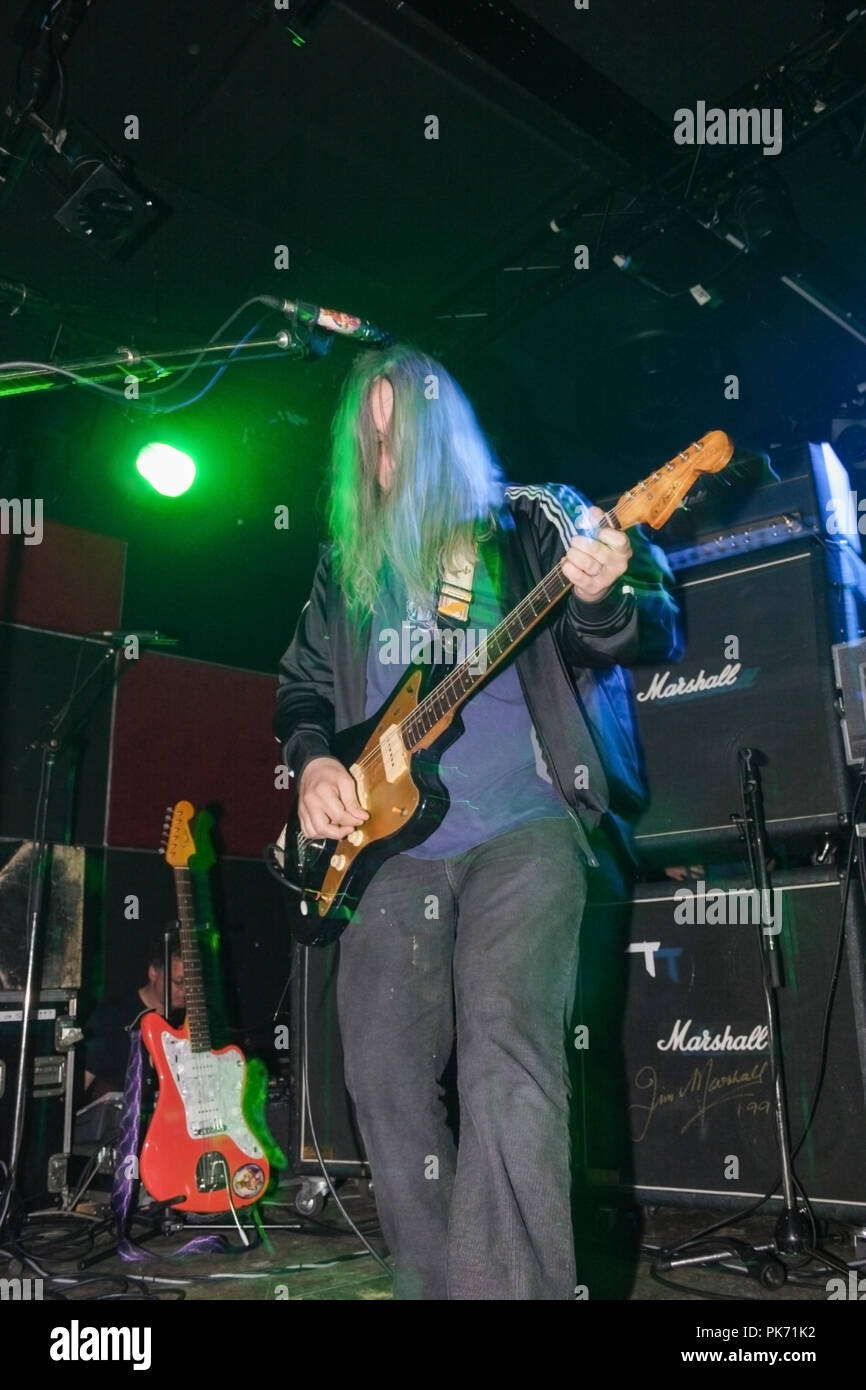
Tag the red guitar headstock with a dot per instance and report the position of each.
(177, 844)
(654, 500)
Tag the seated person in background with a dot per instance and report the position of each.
(106, 1035)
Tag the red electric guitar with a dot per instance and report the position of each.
(199, 1146)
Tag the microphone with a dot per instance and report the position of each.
(148, 638)
(334, 320)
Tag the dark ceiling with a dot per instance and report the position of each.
(304, 126)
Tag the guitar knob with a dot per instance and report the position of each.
(355, 837)
(338, 861)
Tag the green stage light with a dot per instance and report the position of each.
(166, 469)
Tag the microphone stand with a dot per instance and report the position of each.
(52, 739)
(19, 380)
(310, 334)
(794, 1230)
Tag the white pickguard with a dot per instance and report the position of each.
(211, 1088)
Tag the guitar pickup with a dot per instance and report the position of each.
(393, 751)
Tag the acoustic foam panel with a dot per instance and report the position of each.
(71, 582)
(194, 731)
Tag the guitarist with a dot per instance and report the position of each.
(472, 936)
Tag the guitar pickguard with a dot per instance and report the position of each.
(211, 1087)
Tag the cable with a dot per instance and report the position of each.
(309, 1109)
(837, 963)
(227, 1176)
(209, 385)
(145, 403)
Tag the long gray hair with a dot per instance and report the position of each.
(445, 484)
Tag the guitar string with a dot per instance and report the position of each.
(610, 518)
(450, 682)
(196, 1008)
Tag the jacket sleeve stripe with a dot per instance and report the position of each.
(553, 509)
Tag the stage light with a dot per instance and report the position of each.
(167, 469)
(108, 211)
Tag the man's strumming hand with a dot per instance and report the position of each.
(593, 565)
(328, 806)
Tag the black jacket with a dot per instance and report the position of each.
(579, 698)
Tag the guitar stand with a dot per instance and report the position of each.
(158, 1217)
(102, 1160)
(794, 1230)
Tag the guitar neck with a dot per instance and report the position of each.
(196, 1001)
(460, 683)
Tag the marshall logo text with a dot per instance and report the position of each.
(705, 1041)
(661, 686)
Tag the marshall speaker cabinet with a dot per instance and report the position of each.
(757, 673)
(674, 1081)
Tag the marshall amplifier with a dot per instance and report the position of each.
(671, 1045)
(758, 673)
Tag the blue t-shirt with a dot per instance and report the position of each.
(494, 771)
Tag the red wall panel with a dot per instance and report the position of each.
(71, 582)
(194, 731)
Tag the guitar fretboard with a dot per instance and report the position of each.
(456, 687)
(196, 1002)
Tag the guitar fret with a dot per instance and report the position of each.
(198, 1023)
(453, 687)
(460, 682)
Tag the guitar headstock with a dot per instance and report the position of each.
(654, 500)
(177, 843)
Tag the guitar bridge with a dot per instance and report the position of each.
(211, 1172)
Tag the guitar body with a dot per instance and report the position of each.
(406, 801)
(198, 1139)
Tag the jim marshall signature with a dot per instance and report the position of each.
(705, 1086)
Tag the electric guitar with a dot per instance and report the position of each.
(199, 1147)
(406, 802)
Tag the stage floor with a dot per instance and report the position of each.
(297, 1258)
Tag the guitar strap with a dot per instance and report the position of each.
(455, 589)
